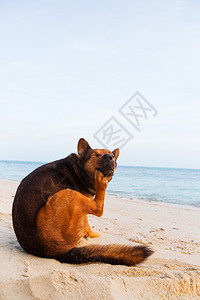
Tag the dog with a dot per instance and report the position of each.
(51, 205)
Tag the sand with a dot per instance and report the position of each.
(172, 272)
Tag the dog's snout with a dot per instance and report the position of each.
(107, 156)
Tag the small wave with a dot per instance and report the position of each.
(196, 204)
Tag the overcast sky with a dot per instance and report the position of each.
(66, 67)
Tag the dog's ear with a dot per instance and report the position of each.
(116, 153)
(83, 147)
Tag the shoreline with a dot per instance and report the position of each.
(172, 272)
(155, 202)
(9, 180)
(133, 199)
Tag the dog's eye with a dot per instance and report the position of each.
(97, 155)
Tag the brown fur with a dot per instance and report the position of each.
(62, 220)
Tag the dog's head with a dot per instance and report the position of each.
(97, 159)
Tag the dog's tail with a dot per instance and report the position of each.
(111, 254)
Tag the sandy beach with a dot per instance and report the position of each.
(172, 272)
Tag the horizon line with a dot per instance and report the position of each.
(130, 166)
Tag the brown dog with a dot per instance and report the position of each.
(51, 206)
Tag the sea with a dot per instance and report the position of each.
(166, 185)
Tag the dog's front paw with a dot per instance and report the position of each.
(100, 180)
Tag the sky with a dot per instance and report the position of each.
(67, 67)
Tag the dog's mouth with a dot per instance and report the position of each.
(107, 171)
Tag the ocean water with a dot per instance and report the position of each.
(168, 185)
(17, 170)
